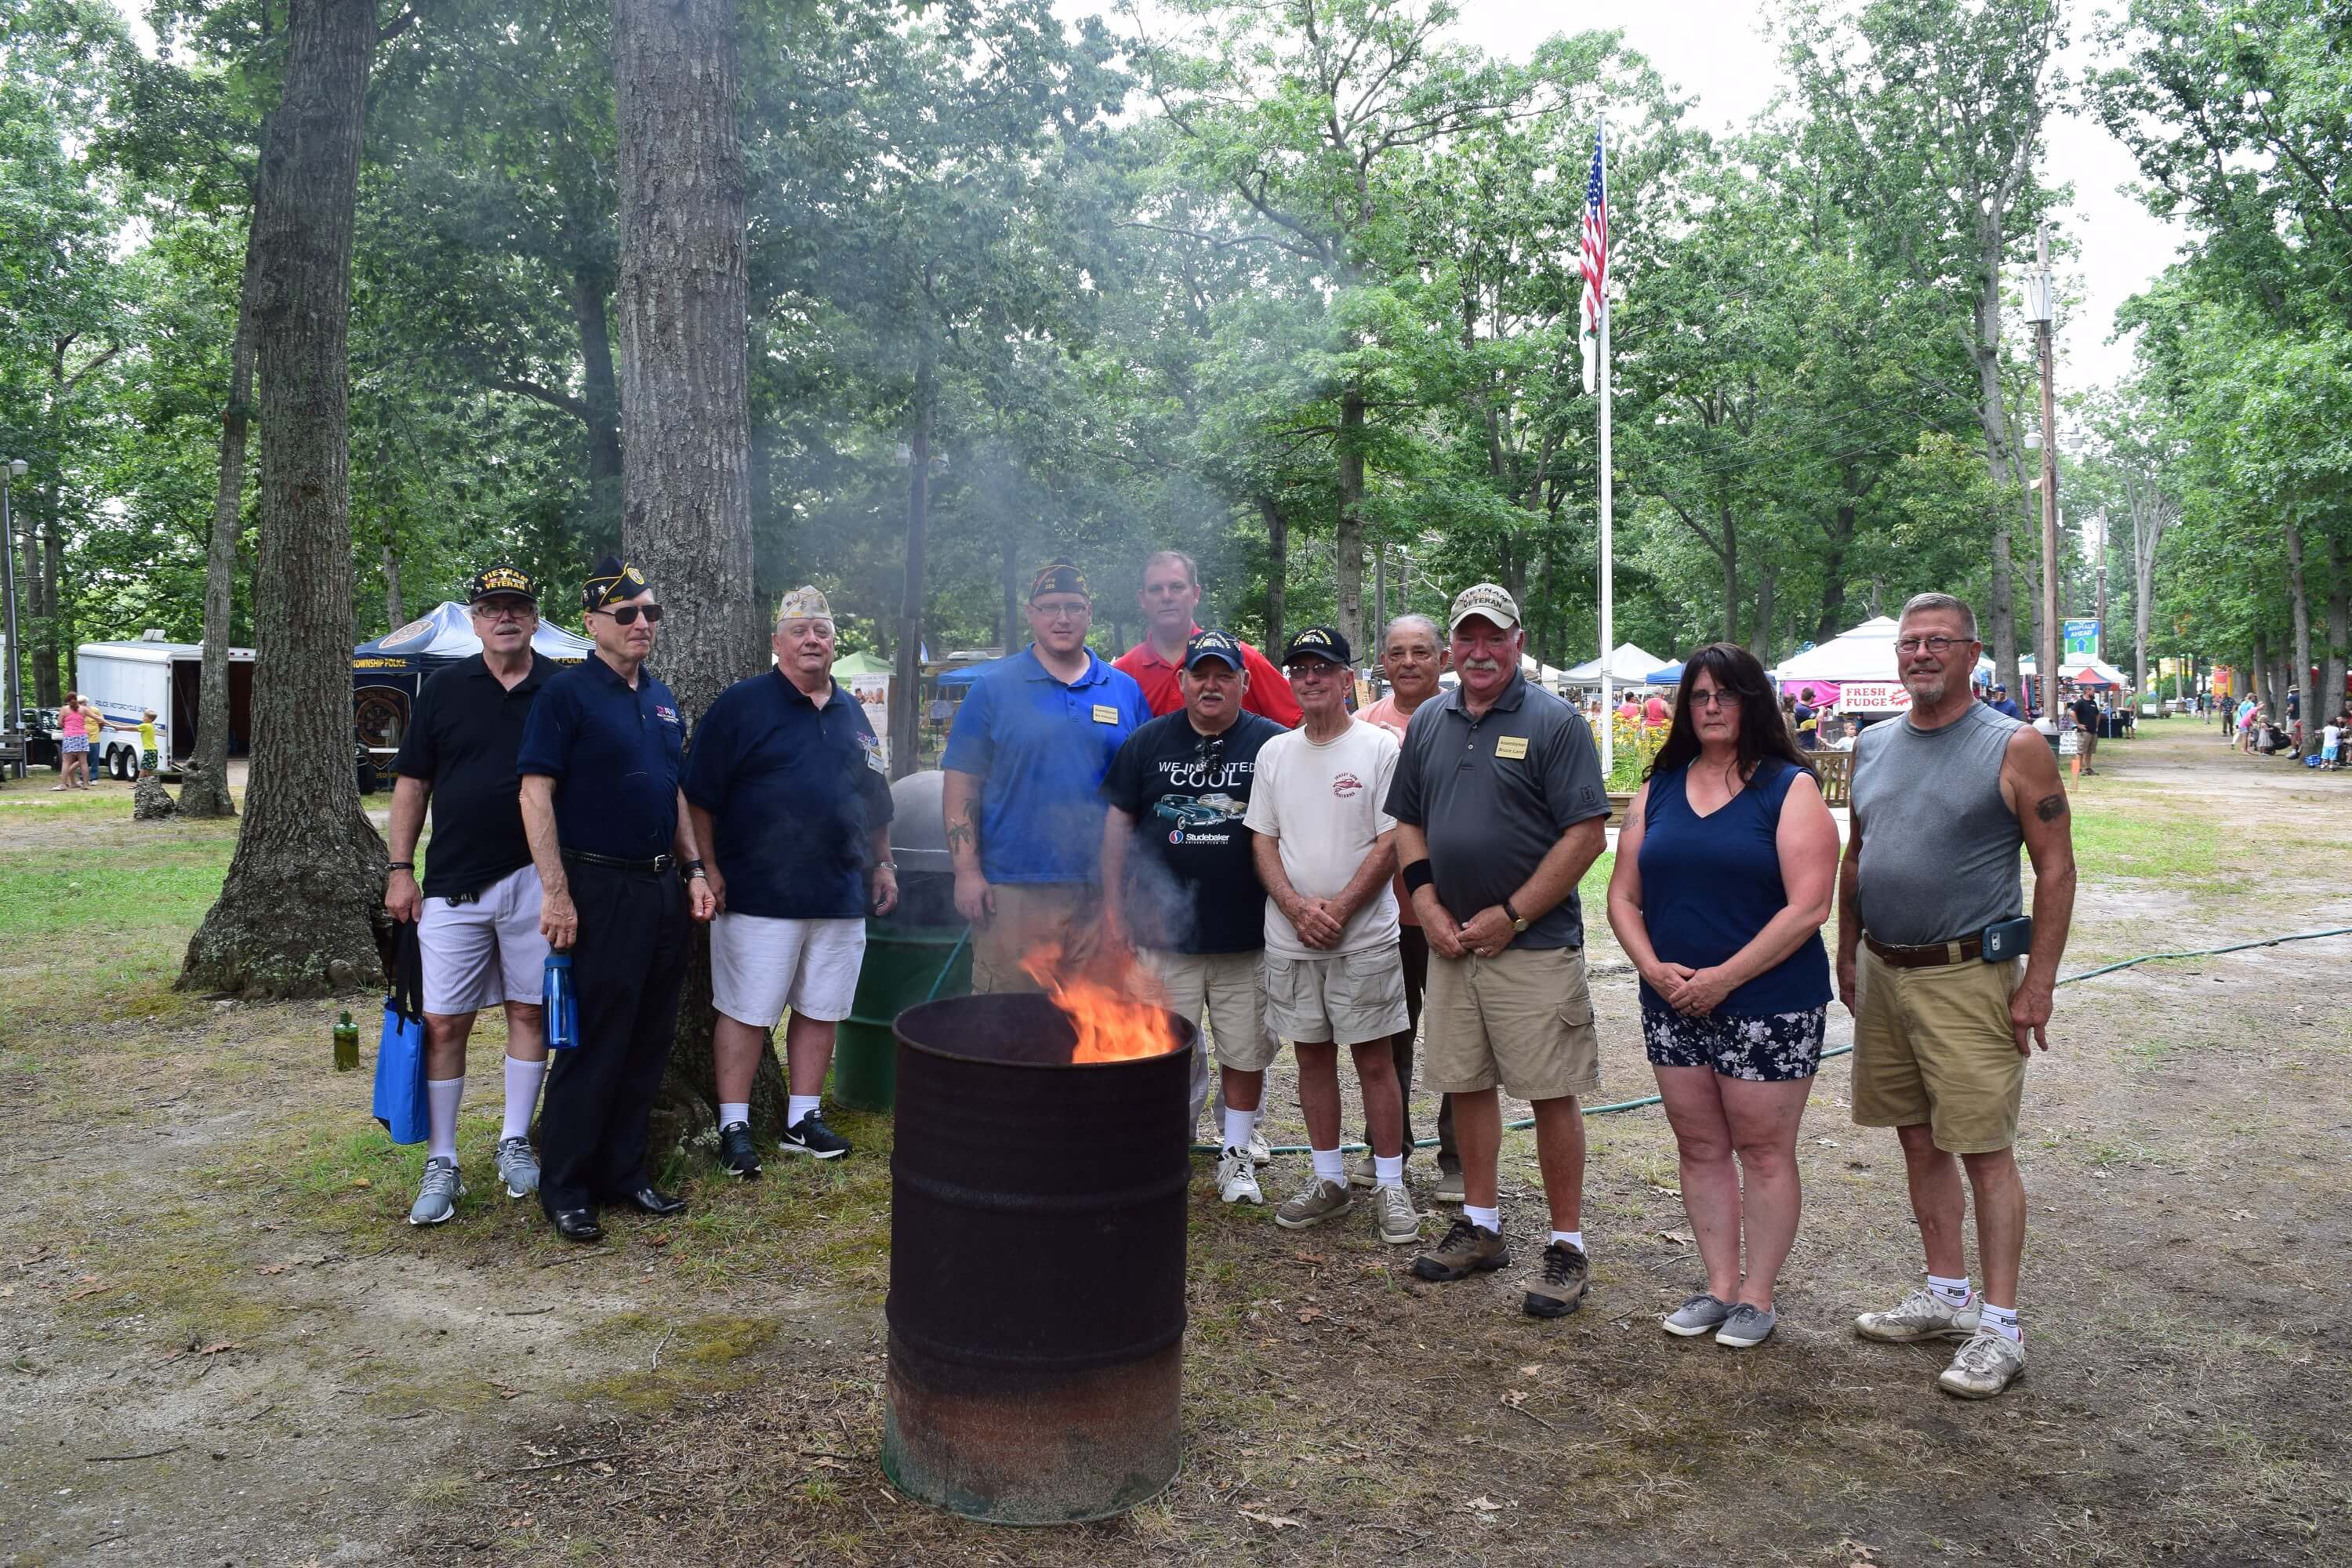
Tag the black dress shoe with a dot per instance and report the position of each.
(652, 1200)
(578, 1224)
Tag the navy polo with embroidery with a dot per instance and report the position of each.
(615, 755)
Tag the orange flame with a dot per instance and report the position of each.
(1111, 1000)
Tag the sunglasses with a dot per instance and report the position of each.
(626, 615)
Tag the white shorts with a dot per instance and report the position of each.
(485, 951)
(759, 965)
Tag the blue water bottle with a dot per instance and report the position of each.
(562, 1007)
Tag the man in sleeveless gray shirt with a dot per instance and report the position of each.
(1942, 799)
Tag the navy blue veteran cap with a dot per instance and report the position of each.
(1212, 645)
(612, 581)
(502, 578)
(1319, 642)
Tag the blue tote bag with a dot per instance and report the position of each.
(400, 1051)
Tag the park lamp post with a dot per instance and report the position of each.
(14, 719)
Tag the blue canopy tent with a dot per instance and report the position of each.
(1672, 675)
(387, 671)
(965, 674)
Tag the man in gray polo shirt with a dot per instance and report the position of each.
(1500, 805)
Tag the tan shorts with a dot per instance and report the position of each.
(1522, 1019)
(1029, 915)
(1221, 988)
(1343, 1000)
(1934, 1046)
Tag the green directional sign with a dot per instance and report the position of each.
(2082, 640)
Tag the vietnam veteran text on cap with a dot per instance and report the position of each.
(1319, 642)
(610, 582)
(1059, 577)
(1212, 645)
(804, 602)
(1488, 600)
(502, 578)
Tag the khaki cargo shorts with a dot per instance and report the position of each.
(1343, 1000)
(1522, 1019)
(1219, 989)
(1934, 1046)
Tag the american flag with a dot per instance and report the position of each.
(1596, 255)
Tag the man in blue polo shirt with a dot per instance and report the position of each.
(601, 754)
(791, 799)
(1024, 765)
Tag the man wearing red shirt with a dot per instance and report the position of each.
(1171, 592)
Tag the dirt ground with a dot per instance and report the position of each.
(225, 1347)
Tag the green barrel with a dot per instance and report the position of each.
(903, 967)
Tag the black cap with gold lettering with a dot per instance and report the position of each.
(502, 578)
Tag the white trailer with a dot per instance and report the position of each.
(130, 678)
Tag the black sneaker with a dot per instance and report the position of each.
(810, 1135)
(738, 1155)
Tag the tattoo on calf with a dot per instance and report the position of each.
(2050, 807)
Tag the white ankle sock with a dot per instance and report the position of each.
(1575, 1238)
(799, 1105)
(2002, 1320)
(730, 1111)
(522, 1095)
(1488, 1219)
(1330, 1166)
(441, 1098)
(1952, 1293)
(1388, 1170)
(1239, 1126)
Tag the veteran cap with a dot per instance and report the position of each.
(1489, 600)
(1059, 577)
(805, 602)
(613, 580)
(1212, 645)
(502, 578)
(1319, 642)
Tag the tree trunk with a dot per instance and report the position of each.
(906, 680)
(1993, 418)
(1759, 634)
(49, 669)
(301, 907)
(2330, 691)
(206, 792)
(2300, 680)
(1348, 567)
(1009, 580)
(591, 285)
(686, 489)
(1277, 572)
(1728, 529)
(2150, 517)
(395, 611)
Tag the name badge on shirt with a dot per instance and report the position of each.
(1511, 748)
(1106, 714)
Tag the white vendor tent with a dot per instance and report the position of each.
(1854, 671)
(1629, 666)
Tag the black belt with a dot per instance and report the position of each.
(653, 868)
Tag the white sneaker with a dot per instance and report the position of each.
(1987, 1364)
(1236, 1180)
(1258, 1152)
(1399, 1222)
(1921, 1315)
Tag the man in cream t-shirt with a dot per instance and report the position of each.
(1324, 851)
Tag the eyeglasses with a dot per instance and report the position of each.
(500, 609)
(1063, 611)
(1305, 667)
(1940, 647)
(1715, 699)
(628, 615)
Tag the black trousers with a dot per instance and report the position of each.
(628, 965)
(1412, 947)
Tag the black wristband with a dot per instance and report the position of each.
(694, 864)
(408, 866)
(1418, 875)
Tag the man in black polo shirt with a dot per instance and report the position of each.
(478, 913)
(789, 794)
(601, 760)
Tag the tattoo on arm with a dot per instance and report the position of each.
(2050, 807)
(958, 833)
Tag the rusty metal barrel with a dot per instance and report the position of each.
(1037, 1229)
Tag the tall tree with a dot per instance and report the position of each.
(299, 912)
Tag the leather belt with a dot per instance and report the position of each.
(1926, 955)
(653, 868)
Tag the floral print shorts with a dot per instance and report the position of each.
(1774, 1049)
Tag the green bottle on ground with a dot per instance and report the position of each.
(347, 1044)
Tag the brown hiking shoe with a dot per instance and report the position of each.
(1558, 1288)
(1466, 1248)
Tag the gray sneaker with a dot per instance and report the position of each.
(1361, 1174)
(1921, 1315)
(518, 1167)
(437, 1199)
(1399, 1222)
(1987, 1364)
(1449, 1188)
(1315, 1202)
(1701, 1314)
(1748, 1326)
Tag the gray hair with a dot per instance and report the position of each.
(1175, 558)
(1960, 607)
(1413, 618)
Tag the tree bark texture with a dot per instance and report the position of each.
(591, 289)
(302, 906)
(206, 792)
(2300, 600)
(2330, 692)
(1277, 572)
(1992, 417)
(395, 606)
(686, 489)
(1348, 568)
(907, 670)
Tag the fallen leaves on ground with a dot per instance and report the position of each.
(1274, 1521)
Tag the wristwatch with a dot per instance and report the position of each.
(1518, 921)
(886, 865)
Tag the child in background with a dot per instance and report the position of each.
(147, 763)
(2331, 741)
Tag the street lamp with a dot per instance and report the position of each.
(14, 719)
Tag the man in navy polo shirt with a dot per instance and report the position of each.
(602, 755)
(790, 795)
(1024, 764)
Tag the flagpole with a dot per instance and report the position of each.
(1608, 539)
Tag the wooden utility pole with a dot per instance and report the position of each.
(2043, 308)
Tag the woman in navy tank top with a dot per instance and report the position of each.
(1722, 877)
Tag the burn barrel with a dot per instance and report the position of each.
(1037, 1228)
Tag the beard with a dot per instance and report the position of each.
(1927, 692)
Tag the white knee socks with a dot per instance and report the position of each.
(441, 1098)
(523, 1079)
